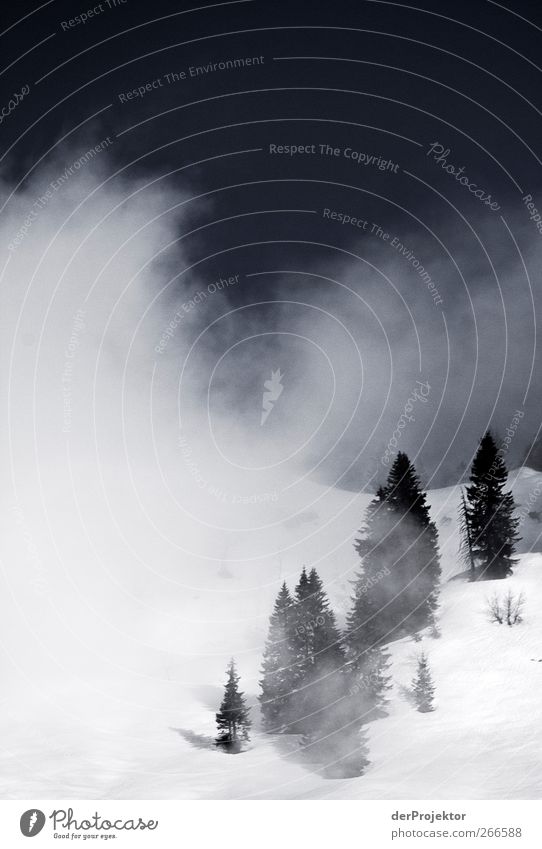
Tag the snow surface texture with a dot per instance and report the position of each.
(84, 715)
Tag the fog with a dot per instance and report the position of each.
(138, 475)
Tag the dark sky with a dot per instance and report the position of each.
(381, 80)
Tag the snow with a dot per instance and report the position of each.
(130, 715)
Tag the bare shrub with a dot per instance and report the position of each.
(506, 609)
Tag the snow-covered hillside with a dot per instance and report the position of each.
(142, 728)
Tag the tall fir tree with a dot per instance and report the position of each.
(490, 512)
(280, 672)
(232, 720)
(423, 689)
(397, 590)
(416, 568)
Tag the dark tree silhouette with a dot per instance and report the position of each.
(397, 589)
(417, 566)
(232, 720)
(490, 512)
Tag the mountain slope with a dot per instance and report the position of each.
(142, 727)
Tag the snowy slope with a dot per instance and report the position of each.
(140, 728)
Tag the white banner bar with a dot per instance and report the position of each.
(268, 824)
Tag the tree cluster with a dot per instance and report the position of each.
(306, 684)
(326, 685)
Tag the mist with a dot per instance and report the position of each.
(140, 477)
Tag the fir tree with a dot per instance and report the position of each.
(317, 645)
(232, 720)
(305, 688)
(490, 512)
(301, 632)
(375, 547)
(416, 569)
(422, 686)
(279, 672)
(397, 589)
(326, 642)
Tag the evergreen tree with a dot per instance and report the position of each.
(416, 569)
(422, 686)
(279, 671)
(376, 549)
(317, 646)
(397, 589)
(305, 686)
(326, 641)
(490, 512)
(232, 720)
(301, 632)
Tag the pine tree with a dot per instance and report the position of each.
(397, 589)
(301, 632)
(326, 642)
(232, 720)
(305, 685)
(317, 646)
(422, 686)
(416, 569)
(279, 671)
(490, 511)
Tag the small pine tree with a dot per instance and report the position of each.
(232, 720)
(490, 511)
(279, 672)
(423, 690)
